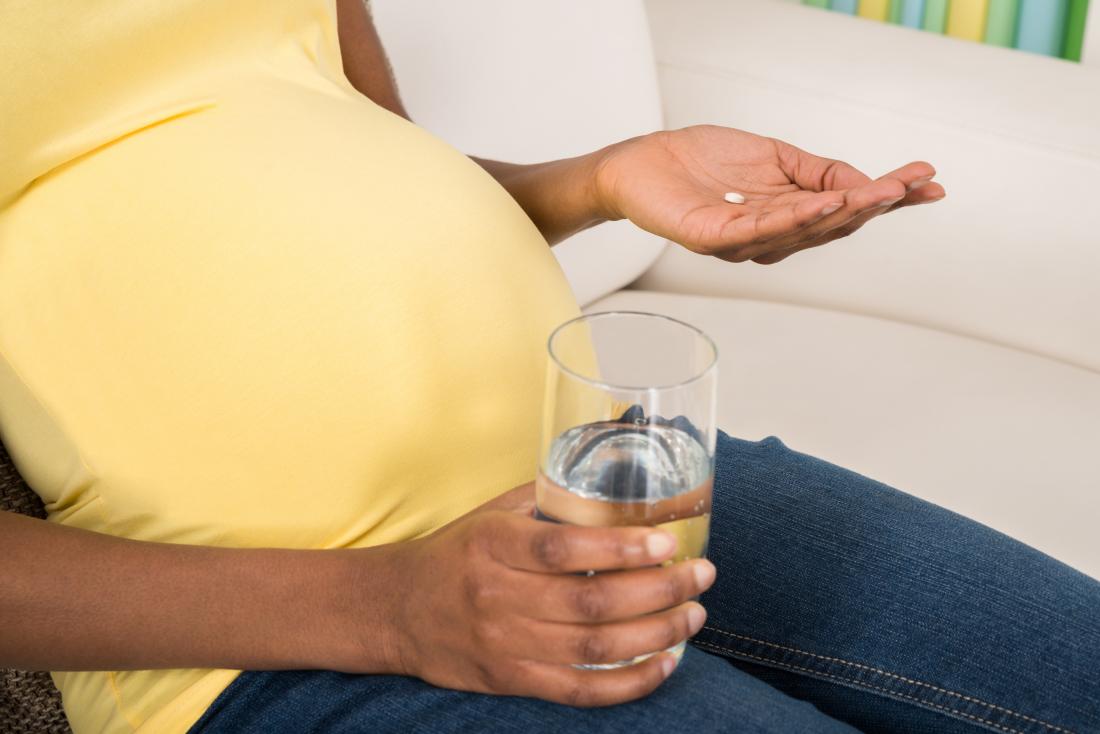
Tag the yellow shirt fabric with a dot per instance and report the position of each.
(241, 305)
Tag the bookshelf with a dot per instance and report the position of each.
(1059, 28)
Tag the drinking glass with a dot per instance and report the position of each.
(628, 429)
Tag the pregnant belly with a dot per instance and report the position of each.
(290, 319)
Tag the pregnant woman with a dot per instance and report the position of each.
(273, 358)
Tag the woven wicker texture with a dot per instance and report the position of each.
(29, 702)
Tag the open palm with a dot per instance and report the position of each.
(673, 184)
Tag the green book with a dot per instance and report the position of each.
(1075, 29)
(816, 3)
(935, 16)
(895, 11)
(1000, 24)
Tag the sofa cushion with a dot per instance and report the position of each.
(1010, 256)
(1002, 436)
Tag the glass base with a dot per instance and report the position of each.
(676, 650)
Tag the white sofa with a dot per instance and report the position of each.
(950, 350)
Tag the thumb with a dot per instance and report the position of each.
(520, 500)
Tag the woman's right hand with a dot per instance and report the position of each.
(493, 603)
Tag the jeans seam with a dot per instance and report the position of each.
(879, 671)
(861, 684)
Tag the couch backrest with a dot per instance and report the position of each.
(1011, 256)
(532, 81)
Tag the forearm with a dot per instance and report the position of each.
(559, 196)
(77, 600)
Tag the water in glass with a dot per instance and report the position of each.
(633, 473)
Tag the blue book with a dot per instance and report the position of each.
(912, 13)
(844, 6)
(1042, 26)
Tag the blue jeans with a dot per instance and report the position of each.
(841, 605)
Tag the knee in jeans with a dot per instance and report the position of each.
(764, 445)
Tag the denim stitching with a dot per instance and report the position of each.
(887, 691)
(960, 696)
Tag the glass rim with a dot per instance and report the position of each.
(710, 367)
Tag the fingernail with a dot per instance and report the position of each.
(888, 202)
(668, 664)
(830, 208)
(703, 571)
(659, 544)
(920, 182)
(696, 616)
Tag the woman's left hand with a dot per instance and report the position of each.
(673, 183)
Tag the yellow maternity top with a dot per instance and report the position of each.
(242, 305)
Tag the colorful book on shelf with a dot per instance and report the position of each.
(1075, 29)
(1042, 26)
(1051, 27)
(1000, 23)
(874, 9)
(912, 13)
(966, 19)
(935, 15)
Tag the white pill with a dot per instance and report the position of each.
(734, 198)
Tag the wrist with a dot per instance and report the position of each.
(591, 183)
(350, 596)
(569, 199)
(602, 177)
